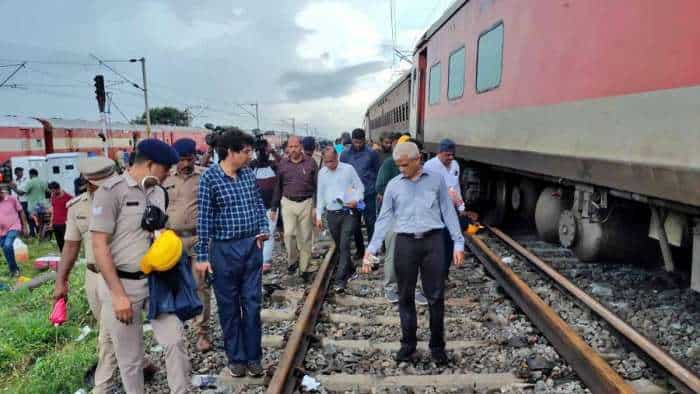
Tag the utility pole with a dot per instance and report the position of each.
(307, 128)
(145, 93)
(257, 115)
(294, 127)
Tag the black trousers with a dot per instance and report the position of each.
(342, 227)
(426, 256)
(59, 231)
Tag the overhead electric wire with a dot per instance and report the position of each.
(112, 102)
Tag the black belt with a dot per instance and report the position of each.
(93, 268)
(419, 235)
(138, 275)
(339, 211)
(297, 199)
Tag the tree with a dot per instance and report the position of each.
(166, 116)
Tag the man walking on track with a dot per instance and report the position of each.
(232, 227)
(366, 163)
(418, 204)
(182, 186)
(296, 186)
(120, 241)
(339, 191)
(446, 165)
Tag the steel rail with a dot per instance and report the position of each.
(284, 379)
(682, 376)
(595, 373)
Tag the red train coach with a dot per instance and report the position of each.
(580, 115)
(21, 136)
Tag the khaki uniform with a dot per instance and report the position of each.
(182, 218)
(77, 229)
(117, 210)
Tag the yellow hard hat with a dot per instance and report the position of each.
(163, 254)
(404, 138)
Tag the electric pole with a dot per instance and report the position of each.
(145, 93)
(294, 127)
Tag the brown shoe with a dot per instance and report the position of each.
(203, 344)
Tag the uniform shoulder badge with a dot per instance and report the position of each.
(110, 183)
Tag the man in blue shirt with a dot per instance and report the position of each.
(418, 204)
(366, 162)
(232, 226)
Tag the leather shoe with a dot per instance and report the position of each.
(439, 356)
(405, 354)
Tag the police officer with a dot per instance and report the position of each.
(119, 242)
(420, 207)
(96, 170)
(182, 186)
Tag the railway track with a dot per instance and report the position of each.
(496, 341)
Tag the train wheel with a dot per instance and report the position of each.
(547, 212)
(497, 215)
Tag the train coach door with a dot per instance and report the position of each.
(420, 107)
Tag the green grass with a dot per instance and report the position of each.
(36, 357)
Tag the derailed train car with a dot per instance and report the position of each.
(578, 115)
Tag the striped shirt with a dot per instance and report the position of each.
(228, 208)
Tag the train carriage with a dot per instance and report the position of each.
(21, 136)
(579, 115)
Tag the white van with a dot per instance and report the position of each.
(28, 162)
(63, 168)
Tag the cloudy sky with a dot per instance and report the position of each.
(319, 62)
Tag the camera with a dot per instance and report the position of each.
(211, 139)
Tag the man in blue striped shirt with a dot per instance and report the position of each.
(232, 227)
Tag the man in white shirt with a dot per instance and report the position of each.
(339, 194)
(444, 163)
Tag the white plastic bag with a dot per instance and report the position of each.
(21, 251)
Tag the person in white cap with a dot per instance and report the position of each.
(96, 170)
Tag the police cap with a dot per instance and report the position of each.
(158, 151)
(96, 169)
(185, 147)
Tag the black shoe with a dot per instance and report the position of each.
(255, 369)
(237, 370)
(292, 268)
(339, 288)
(405, 354)
(439, 356)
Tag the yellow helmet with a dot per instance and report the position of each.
(163, 254)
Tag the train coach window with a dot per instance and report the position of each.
(455, 75)
(489, 60)
(434, 84)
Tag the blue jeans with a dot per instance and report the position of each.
(237, 267)
(6, 242)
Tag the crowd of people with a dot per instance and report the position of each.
(226, 216)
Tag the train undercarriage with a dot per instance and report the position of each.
(597, 224)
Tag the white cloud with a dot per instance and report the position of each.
(340, 35)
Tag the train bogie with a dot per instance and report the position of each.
(579, 116)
